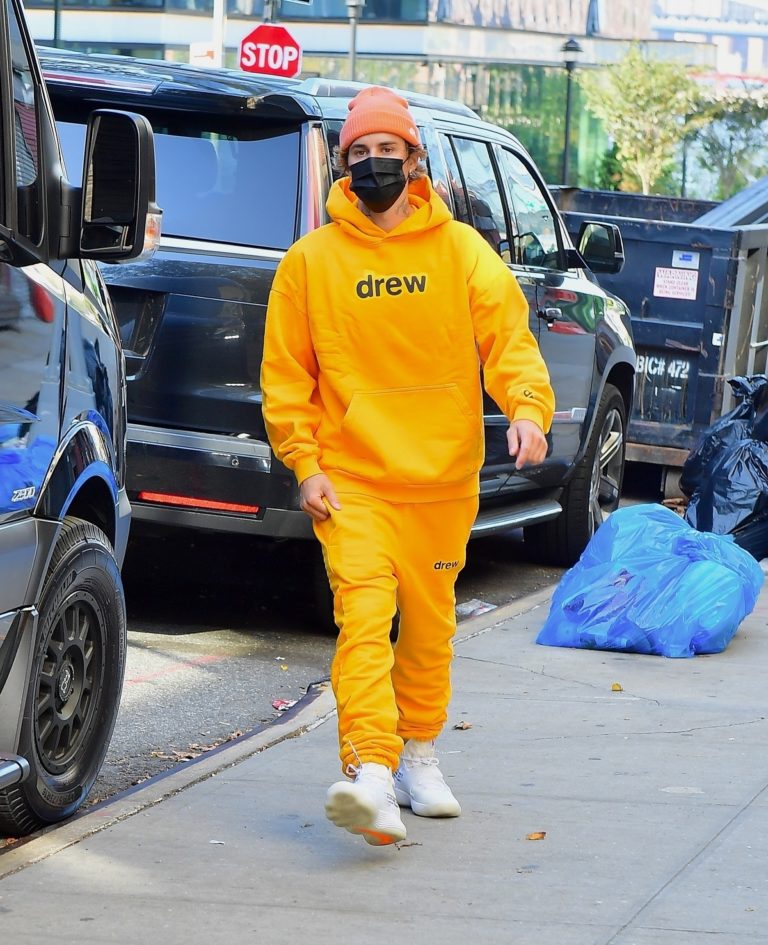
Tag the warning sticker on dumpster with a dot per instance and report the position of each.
(675, 283)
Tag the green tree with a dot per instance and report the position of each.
(732, 143)
(610, 174)
(647, 107)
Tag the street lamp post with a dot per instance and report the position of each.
(570, 50)
(355, 11)
(56, 23)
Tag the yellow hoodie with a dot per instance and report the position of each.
(371, 372)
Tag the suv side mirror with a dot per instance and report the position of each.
(601, 246)
(119, 214)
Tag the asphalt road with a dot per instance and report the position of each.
(220, 627)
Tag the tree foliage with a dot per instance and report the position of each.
(647, 107)
(610, 174)
(732, 143)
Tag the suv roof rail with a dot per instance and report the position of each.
(343, 88)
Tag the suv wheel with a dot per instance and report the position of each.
(592, 493)
(75, 682)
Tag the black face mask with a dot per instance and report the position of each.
(378, 182)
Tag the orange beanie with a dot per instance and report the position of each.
(377, 109)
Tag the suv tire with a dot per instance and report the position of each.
(593, 491)
(75, 681)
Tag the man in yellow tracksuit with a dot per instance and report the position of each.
(376, 329)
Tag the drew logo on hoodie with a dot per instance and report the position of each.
(373, 286)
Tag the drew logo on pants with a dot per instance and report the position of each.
(445, 565)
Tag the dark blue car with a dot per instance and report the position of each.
(64, 510)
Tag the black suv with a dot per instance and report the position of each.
(64, 511)
(244, 167)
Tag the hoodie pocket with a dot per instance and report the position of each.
(411, 436)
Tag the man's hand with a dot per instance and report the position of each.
(313, 491)
(527, 443)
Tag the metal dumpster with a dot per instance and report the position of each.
(699, 316)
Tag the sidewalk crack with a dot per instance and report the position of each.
(540, 672)
(689, 862)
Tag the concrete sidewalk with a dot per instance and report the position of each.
(652, 802)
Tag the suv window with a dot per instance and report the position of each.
(485, 203)
(25, 135)
(455, 182)
(534, 240)
(223, 183)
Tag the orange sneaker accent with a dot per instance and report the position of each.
(375, 838)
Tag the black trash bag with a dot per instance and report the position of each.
(753, 537)
(748, 419)
(733, 497)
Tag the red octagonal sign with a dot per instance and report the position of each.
(271, 50)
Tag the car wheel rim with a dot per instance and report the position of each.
(68, 682)
(605, 484)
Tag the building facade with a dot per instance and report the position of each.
(737, 30)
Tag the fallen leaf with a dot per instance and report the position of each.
(283, 667)
(462, 726)
(617, 687)
(537, 835)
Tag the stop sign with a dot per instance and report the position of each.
(271, 50)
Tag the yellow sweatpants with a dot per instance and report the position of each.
(381, 556)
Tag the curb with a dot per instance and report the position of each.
(311, 711)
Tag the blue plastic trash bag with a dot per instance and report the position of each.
(650, 583)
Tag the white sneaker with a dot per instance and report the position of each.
(419, 782)
(367, 805)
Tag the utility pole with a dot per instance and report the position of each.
(219, 25)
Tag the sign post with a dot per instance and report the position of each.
(270, 50)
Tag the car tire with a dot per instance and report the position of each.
(75, 681)
(592, 493)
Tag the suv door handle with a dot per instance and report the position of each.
(550, 315)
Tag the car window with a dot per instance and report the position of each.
(534, 240)
(485, 202)
(455, 183)
(218, 183)
(25, 135)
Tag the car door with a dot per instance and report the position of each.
(564, 304)
(32, 313)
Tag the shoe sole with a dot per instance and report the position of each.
(345, 808)
(427, 810)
